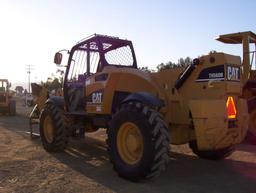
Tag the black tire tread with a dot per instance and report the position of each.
(60, 139)
(160, 138)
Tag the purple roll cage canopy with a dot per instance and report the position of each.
(95, 52)
(102, 43)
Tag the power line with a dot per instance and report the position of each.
(29, 68)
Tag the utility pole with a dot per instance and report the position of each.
(29, 68)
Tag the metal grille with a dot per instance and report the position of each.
(120, 56)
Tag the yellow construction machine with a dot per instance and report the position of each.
(248, 78)
(7, 104)
(144, 112)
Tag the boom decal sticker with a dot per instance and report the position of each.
(231, 73)
(212, 73)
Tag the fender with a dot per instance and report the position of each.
(145, 98)
(57, 100)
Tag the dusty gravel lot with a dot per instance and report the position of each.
(84, 167)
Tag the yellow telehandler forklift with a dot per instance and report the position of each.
(144, 112)
(248, 41)
(7, 104)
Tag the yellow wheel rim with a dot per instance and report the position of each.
(48, 129)
(130, 143)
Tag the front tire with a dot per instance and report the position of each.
(138, 142)
(210, 154)
(53, 131)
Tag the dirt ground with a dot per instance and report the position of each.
(84, 167)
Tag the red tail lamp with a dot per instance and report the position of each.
(231, 108)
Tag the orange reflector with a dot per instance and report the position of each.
(231, 108)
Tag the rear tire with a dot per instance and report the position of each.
(53, 131)
(210, 154)
(138, 142)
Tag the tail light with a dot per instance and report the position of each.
(231, 108)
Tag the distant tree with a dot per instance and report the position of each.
(146, 69)
(184, 62)
(61, 75)
(170, 65)
(56, 84)
(52, 84)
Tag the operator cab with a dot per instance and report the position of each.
(95, 52)
(90, 56)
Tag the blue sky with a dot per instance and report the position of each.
(161, 31)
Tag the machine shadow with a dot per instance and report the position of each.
(185, 173)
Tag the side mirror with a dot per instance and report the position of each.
(58, 58)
